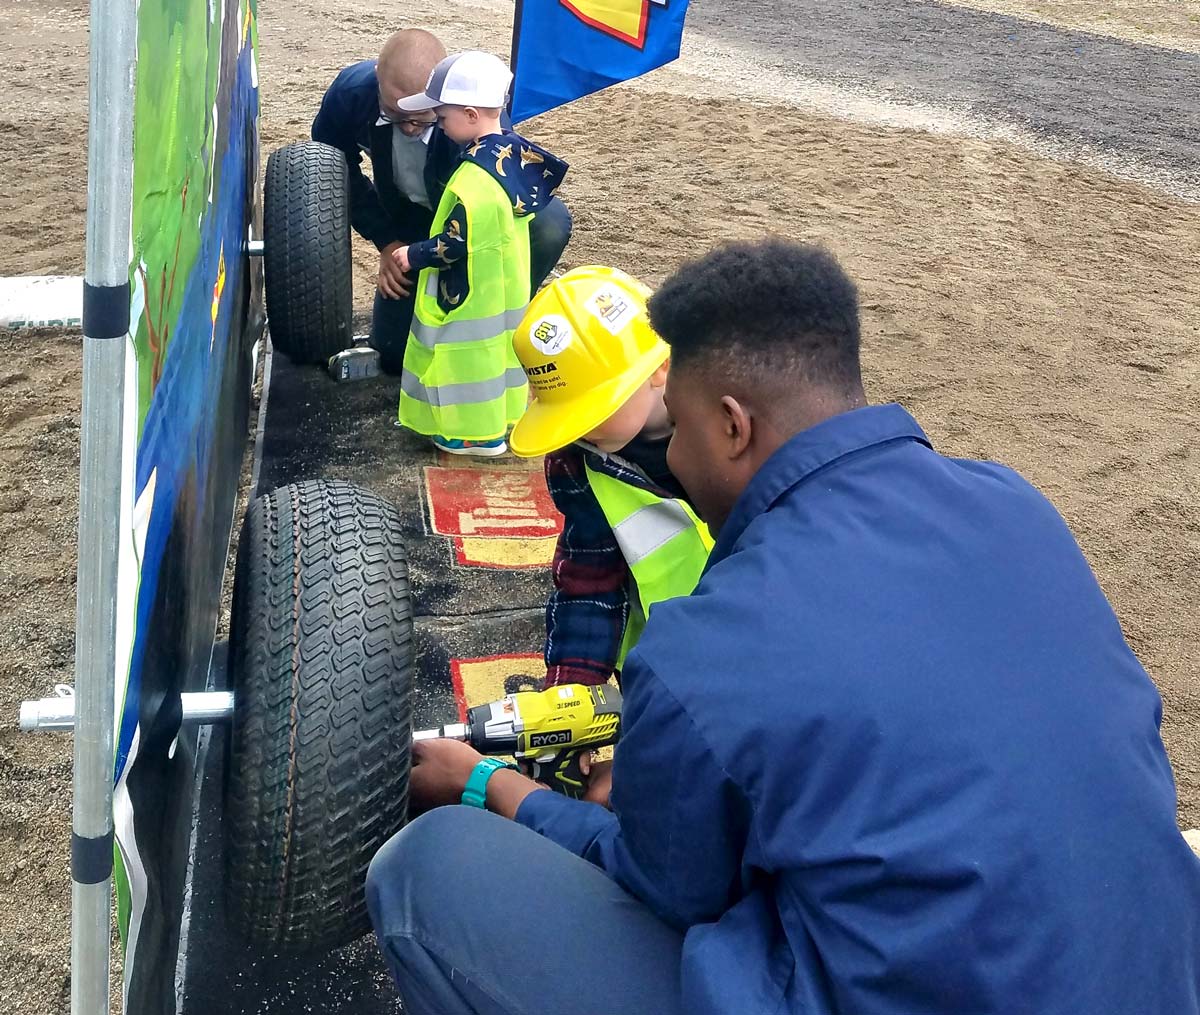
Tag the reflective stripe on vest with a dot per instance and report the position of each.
(477, 330)
(649, 527)
(665, 545)
(462, 394)
(461, 378)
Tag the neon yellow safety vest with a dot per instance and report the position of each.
(665, 545)
(461, 378)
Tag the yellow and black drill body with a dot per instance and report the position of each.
(545, 731)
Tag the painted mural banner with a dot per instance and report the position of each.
(195, 315)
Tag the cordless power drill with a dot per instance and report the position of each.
(545, 731)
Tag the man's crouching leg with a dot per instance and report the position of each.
(549, 234)
(478, 915)
(390, 323)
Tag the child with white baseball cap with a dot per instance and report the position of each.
(462, 385)
(464, 79)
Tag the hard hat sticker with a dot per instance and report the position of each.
(612, 308)
(551, 335)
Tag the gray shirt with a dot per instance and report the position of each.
(408, 165)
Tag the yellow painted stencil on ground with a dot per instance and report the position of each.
(507, 553)
(478, 681)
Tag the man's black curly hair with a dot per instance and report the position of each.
(771, 307)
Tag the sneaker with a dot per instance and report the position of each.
(481, 449)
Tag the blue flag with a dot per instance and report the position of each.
(565, 49)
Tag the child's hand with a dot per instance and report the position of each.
(599, 786)
(391, 281)
(400, 255)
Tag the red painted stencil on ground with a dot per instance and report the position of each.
(501, 503)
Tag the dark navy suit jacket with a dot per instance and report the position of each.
(347, 120)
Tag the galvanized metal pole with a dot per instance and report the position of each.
(105, 325)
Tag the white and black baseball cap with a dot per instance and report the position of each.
(465, 79)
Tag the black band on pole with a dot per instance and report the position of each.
(105, 311)
(91, 859)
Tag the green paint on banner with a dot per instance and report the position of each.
(121, 883)
(179, 53)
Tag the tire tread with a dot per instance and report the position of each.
(319, 750)
(306, 253)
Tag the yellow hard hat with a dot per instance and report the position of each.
(586, 345)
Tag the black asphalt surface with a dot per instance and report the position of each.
(317, 429)
(1069, 87)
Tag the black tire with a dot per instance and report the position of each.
(306, 252)
(322, 668)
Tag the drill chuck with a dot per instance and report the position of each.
(451, 731)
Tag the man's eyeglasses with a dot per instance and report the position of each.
(404, 122)
(407, 123)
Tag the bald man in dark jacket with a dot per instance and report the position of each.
(411, 161)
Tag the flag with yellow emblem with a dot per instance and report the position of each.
(565, 49)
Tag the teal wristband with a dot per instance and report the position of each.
(475, 793)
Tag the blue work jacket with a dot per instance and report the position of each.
(894, 756)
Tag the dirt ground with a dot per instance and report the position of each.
(1035, 312)
(1173, 25)
(39, 474)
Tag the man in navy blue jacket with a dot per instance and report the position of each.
(892, 757)
(411, 161)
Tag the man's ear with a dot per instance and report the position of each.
(659, 378)
(738, 426)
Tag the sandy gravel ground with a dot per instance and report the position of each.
(1038, 312)
(1170, 25)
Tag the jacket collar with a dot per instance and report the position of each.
(527, 172)
(808, 452)
(610, 464)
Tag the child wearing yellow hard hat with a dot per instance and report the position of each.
(596, 374)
